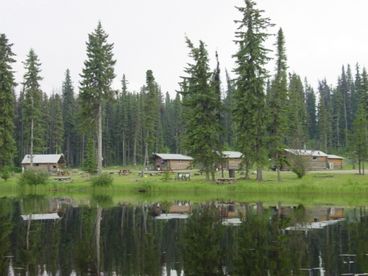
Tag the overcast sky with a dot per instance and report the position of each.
(321, 35)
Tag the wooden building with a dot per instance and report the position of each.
(334, 162)
(315, 160)
(172, 162)
(51, 163)
(231, 160)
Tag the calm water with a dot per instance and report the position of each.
(43, 236)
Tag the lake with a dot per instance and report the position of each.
(61, 236)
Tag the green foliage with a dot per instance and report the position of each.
(33, 105)
(249, 97)
(7, 103)
(33, 178)
(95, 87)
(202, 237)
(5, 173)
(298, 166)
(166, 176)
(202, 106)
(102, 180)
(89, 164)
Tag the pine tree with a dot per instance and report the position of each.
(250, 109)
(201, 116)
(69, 119)
(277, 107)
(34, 125)
(95, 87)
(228, 102)
(7, 103)
(90, 164)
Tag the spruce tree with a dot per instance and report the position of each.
(34, 124)
(250, 109)
(56, 124)
(277, 107)
(201, 116)
(311, 108)
(95, 87)
(7, 103)
(360, 134)
(297, 118)
(69, 119)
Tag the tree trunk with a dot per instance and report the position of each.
(99, 140)
(124, 153)
(135, 151)
(259, 174)
(278, 167)
(98, 237)
(31, 151)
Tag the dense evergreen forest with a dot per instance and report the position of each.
(256, 112)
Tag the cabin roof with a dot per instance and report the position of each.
(51, 216)
(42, 158)
(332, 156)
(232, 154)
(304, 152)
(171, 156)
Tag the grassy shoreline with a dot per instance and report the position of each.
(314, 188)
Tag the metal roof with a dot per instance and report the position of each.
(332, 156)
(51, 216)
(42, 158)
(171, 156)
(307, 152)
(232, 154)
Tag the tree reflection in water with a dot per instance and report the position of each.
(129, 240)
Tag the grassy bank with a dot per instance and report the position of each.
(337, 188)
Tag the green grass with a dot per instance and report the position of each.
(315, 188)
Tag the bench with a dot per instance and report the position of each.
(229, 180)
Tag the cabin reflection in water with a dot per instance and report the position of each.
(221, 238)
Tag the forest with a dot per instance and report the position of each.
(256, 112)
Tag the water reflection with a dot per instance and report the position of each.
(41, 236)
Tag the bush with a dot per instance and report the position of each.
(102, 180)
(165, 176)
(33, 178)
(5, 173)
(299, 166)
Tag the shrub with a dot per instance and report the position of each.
(33, 178)
(165, 176)
(102, 180)
(5, 173)
(299, 166)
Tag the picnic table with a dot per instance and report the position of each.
(229, 180)
(182, 176)
(63, 178)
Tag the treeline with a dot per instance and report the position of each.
(256, 112)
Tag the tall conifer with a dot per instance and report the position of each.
(250, 108)
(95, 87)
(7, 103)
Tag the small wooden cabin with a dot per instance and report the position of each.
(334, 162)
(315, 160)
(231, 160)
(172, 162)
(51, 163)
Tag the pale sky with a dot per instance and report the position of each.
(321, 35)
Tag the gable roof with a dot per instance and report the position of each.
(42, 158)
(303, 152)
(332, 156)
(232, 154)
(171, 156)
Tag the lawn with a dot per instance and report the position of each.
(336, 188)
